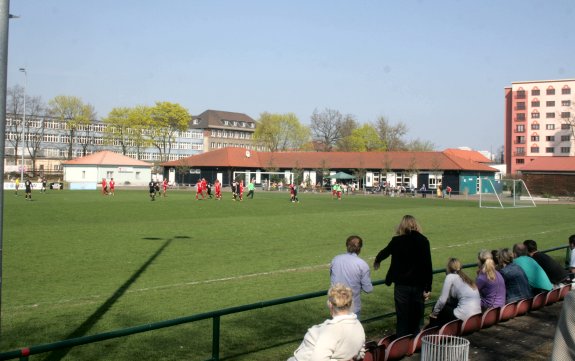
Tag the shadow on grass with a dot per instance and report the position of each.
(101, 311)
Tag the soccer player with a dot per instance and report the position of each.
(152, 190)
(43, 189)
(235, 190)
(204, 187)
(17, 184)
(104, 187)
(218, 187)
(199, 189)
(251, 189)
(164, 187)
(241, 190)
(28, 186)
(112, 186)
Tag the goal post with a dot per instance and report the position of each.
(504, 193)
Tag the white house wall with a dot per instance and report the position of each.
(135, 176)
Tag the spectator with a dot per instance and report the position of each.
(557, 275)
(352, 271)
(489, 282)
(565, 332)
(412, 273)
(516, 282)
(339, 338)
(459, 297)
(572, 255)
(536, 276)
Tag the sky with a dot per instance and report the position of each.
(439, 66)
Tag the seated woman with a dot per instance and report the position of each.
(516, 284)
(339, 338)
(459, 297)
(489, 282)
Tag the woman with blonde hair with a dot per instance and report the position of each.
(340, 338)
(489, 281)
(411, 272)
(459, 297)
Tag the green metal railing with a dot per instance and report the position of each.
(24, 353)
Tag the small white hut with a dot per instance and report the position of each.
(87, 172)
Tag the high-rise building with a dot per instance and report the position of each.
(539, 121)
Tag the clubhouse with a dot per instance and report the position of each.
(458, 169)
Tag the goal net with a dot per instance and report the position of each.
(504, 193)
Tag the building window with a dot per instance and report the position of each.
(550, 103)
(549, 150)
(566, 90)
(535, 126)
(565, 138)
(535, 91)
(520, 140)
(565, 126)
(534, 149)
(550, 91)
(534, 138)
(137, 175)
(520, 94)
(535, 103)
(83, 174)
(520, 117)
(565, 150)
(519, 161)
(550, 126)
(566, 103)
(549, 115)
(520, 106)
(520, 128)
(535, 115)
(565, 115)
(519, 150)
(550, 138)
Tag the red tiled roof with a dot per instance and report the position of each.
(107, 158)
(549, 164)
(468, 154)
(236, 158)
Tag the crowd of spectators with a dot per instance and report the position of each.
(502, 276)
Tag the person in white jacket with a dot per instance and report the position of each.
(339, 338)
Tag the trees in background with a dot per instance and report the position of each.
(75, 113)
(281, 132)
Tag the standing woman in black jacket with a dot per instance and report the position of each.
(412, 273)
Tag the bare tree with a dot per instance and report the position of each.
(330, 126)
(392, 135)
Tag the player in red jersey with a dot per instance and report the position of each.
(112, 185)
(241, 190)
(218, 188)
(164, 187)
(199, 189)
(204, 187)
(104, 187)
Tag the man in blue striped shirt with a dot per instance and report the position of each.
(352, 271)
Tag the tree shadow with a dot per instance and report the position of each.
(105, 307)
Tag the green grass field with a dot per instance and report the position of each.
(77, 263)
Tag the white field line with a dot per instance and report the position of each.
(94, 298)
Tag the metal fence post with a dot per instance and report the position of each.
(216, 338)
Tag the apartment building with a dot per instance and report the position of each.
(539, 119)
(46, 143)
(223, 129)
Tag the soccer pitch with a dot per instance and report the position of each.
(77, 263)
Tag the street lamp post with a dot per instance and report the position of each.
(23, 123)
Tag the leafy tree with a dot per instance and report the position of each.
(74, 112)
(163, 121)
(391, 134)
(118, 129)
(281, 132)
(366, 139)
(139, 120)
(569, 119)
